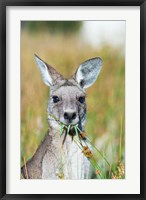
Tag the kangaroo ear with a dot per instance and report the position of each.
(49, 75)
(88, 72)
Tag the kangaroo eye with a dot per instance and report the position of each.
(81, 99)
(55, 99)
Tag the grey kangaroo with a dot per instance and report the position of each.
(56, 158)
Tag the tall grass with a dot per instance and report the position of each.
(105, 99)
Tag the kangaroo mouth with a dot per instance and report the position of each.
(70, 123)
(67, 123)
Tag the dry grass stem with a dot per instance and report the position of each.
(26, 171)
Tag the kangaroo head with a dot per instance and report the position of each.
(67, 100)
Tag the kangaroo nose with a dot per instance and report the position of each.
(70, 115)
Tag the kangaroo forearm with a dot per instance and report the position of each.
(33, 167)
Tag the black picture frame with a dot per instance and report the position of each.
(3, 128)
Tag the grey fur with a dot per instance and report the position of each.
(51, 154)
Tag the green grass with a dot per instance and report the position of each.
(105, 99)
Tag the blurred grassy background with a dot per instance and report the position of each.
(105, 99)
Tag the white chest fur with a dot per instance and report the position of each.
(68, 160)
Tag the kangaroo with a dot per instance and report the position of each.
(59, 157)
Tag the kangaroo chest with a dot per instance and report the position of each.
(64, 162)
